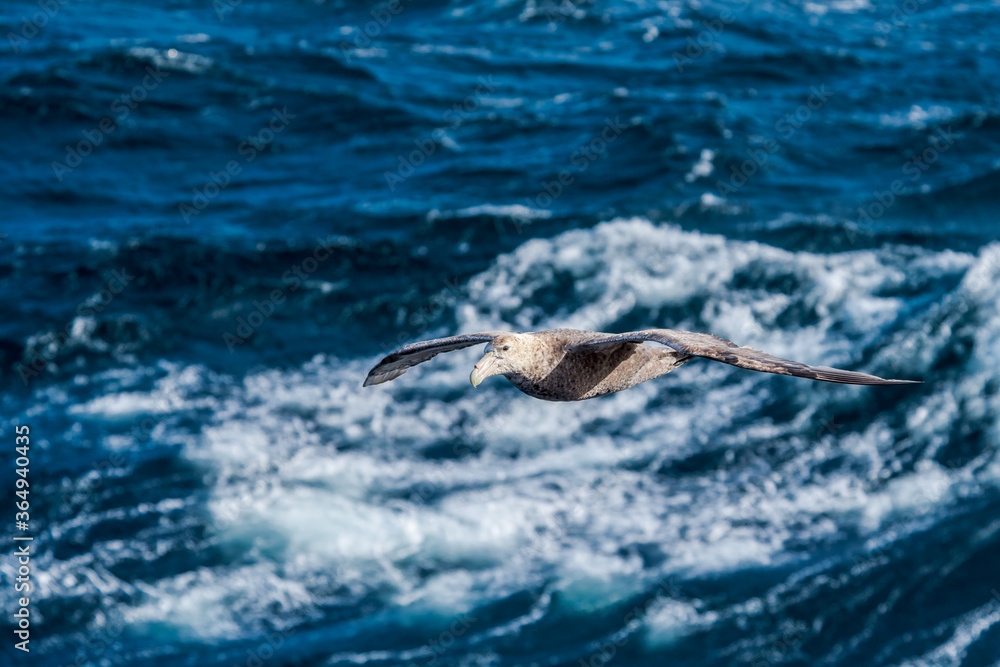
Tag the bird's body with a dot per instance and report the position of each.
(573, 365)
(560, 373)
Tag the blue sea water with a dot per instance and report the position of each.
(218, 214)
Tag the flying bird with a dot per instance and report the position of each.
(573, 365)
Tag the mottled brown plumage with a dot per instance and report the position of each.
(572, 365)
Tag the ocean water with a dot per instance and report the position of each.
(219, 214)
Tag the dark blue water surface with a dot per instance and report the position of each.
(218, 215)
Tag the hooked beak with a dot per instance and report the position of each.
(482, 369)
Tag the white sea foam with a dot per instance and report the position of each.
(962, 633)
(703, 167)
(672, 619)
(332, 483)
(172, 59)
(917, 116)
(514, 211)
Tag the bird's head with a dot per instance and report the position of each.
(506, 354)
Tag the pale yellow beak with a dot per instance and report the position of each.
(482, 369)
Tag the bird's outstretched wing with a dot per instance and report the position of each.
(396, 363)
(720, 349)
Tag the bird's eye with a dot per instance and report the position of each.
(505, 348)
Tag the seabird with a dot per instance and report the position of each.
(573, 365)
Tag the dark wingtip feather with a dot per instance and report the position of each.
(375, 376)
